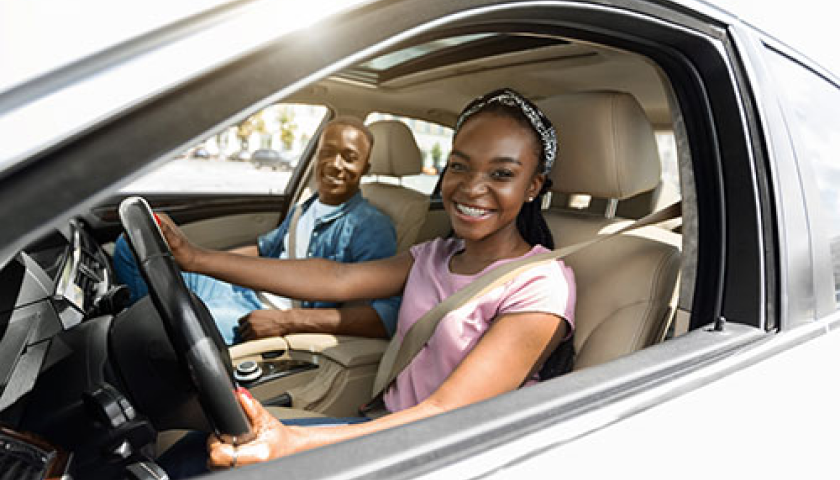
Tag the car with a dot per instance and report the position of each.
(707, 344)
(272, 159)
(200, 152)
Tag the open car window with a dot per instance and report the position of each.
(256, 156)
(434, 141)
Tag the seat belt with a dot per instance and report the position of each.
(292, 253)
(399, 354)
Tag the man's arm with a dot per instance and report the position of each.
(378, 239)
(359, 320)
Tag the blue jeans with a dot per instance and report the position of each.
(188, 457)
(226, 302)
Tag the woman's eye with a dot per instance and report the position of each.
(501, 174)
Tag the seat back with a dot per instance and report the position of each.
(607, 150)
(395, 154)
(624, 284)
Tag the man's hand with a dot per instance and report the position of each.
(357, 320)
(267, 323)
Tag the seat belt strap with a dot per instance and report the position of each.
(292, 253)
(399, 354)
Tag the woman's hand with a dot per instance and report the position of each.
(183, 250)
(271, 438)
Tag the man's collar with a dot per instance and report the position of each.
(341, 210)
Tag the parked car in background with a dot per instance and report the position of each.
(272, 159)
(199, 152)
(707, 345)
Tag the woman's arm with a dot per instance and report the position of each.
(312, 279)
(249, 250)
(505, 358)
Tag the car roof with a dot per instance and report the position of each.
(38, 37)
(58, 80)
(803, 26)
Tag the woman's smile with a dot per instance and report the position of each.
(472, 212)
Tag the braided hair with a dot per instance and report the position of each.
(509, 104)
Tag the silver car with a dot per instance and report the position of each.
(704, 342)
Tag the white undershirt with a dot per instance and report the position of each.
(305, 226)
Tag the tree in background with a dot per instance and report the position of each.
(437, 154)
(286, 119)
(243, 134)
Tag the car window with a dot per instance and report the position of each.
(434, 141)
(256, 156)
(811, 107)
(670, 190)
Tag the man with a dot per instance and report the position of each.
(336, 223)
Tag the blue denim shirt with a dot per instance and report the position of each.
(355, 232)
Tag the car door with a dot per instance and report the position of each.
(733, 290)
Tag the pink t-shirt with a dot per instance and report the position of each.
(548, 288)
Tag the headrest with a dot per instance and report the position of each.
(607, 147)
(395, 152)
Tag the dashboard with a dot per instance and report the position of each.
(86, 380)
(51, 295)
(52, 286)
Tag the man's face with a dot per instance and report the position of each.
(341, 161)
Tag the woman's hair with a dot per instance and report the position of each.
(508, 103)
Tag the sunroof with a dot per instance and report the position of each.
(442, 52)
(390, 60)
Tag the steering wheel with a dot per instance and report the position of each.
(188, 324)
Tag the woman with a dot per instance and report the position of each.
(492, 187)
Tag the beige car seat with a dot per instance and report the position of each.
(396, 154)
(625, 284)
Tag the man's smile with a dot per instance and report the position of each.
(332, 180)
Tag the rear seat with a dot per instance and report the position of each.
(625, 284)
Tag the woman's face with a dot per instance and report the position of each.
(490, 174)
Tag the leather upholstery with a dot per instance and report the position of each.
(624, 287)
(624, 284)
(598, 133)
(396, 154)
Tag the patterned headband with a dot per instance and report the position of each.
(539, 122)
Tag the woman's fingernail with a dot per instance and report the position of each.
(244, 391)
(157, 219)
